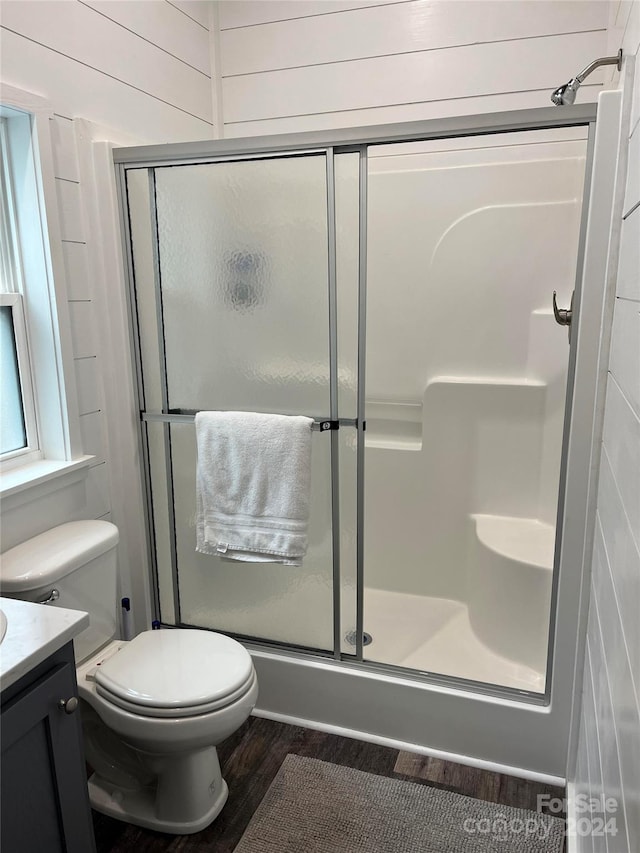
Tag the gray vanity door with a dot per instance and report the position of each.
(45, 804)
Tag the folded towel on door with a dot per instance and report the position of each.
(253, 485)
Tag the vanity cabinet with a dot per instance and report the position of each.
(45, 803)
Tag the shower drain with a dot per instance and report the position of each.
(351, 638)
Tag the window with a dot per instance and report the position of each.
(18, 433)
(39, 424)
(18, 428)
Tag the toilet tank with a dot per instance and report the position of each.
(73, 565)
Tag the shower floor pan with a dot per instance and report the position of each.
(435, 635)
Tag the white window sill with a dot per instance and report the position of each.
(30, 481)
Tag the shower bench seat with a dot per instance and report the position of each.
(510, 581)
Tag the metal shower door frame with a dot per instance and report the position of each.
(169, 416)
(330, 144)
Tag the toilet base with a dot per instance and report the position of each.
(138, 807)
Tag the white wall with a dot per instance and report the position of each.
(608, 750)
(141, 66)
(294, 65)
(127, 72)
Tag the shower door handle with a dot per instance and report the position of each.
(563, 315)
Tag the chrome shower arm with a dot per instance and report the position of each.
(567, 94)
(597, 63)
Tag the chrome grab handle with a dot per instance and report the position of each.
(562, 315)
(54, 595)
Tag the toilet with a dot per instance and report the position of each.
(153, 708)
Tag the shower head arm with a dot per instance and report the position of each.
(566, 94)
(597, 63)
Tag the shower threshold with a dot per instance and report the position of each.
(435, 635)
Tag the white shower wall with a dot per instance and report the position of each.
(466, 375)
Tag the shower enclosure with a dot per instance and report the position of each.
(395, 284)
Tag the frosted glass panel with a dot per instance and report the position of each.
(161, 527)
(347, 205)
(348, 441)
(243, 260)
(347, 184)
(288, 604)
(139, 194)
(230, 263)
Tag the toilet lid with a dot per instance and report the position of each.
(176, 669)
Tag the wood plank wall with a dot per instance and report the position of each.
(306, 65)
(608, 760)
(87, 360)
(142, 66)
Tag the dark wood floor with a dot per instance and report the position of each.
(251, 758)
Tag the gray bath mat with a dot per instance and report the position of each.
(316, 807)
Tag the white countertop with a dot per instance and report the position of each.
(34, 631)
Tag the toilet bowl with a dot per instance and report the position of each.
(170, 697)
(153, 708)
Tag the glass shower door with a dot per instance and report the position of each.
(466, 376)
(232, 300)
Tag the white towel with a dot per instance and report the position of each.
(253, 484)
